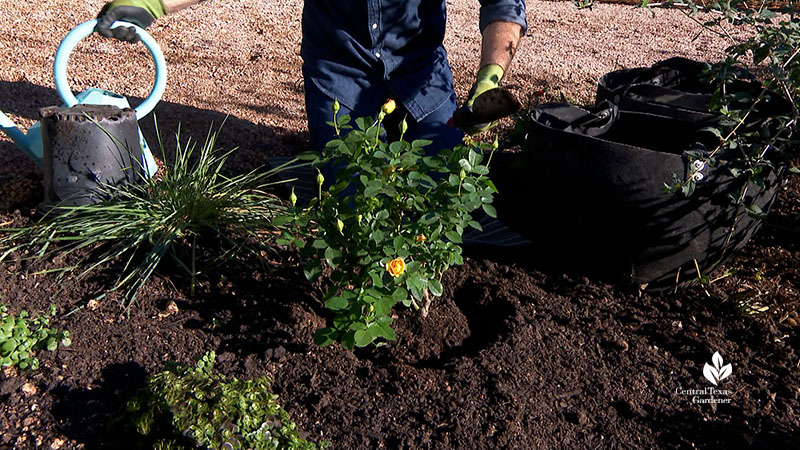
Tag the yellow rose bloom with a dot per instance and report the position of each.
(396, 267)
(389, 106)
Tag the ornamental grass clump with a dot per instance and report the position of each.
(389, 226)
(142, 224)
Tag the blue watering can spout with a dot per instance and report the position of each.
(30, 144)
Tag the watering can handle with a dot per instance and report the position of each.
(86, 29)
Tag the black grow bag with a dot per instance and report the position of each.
(595, 200)
(677, 88)
(88, 151)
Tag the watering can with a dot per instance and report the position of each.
(32, 145)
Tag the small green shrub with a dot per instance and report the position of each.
(142, 224)
(389, 227)
(23, 335)
(191, 407)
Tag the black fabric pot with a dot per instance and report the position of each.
(88, 150)
(670, 88)
(595, 198)
(676, 88)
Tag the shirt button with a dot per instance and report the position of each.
(377, 55)
(374, 26)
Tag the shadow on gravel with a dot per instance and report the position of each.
(83, 414)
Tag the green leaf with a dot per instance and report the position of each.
(795, 170)
(398, 242)
(489, 210)
(362, 338)
(343, 120)
(397, 147)
(755, 212)
(363, 123)
(376, 279)
(435, 287)
(389, 191)
(387, 332)
(331, 255)
(319, 244)
(312, 270)
(415, 285)
(400, 294)
(453, 236)
(8, 346)
(384, 306)
(421, 143)
(325, 336)
(372, 191)
(480, 170)
(347, 340)
(282, 219)
(377, 236)
(357, 326)
(474, 158)
(337, 304)
(308, 156)
(429, 218)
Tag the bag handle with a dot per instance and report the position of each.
(86, 29)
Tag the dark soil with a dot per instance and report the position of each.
(512, 356)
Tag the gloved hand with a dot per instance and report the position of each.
(488, 78)
(139, 12)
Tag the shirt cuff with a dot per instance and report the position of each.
(504, 13)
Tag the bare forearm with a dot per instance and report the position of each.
(176, 5)
(500, 41)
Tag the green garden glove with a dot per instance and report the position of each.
(469, 119)
(139, 12)
(488, 78)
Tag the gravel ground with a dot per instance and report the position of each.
(241, 59)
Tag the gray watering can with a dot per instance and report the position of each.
(32, 145)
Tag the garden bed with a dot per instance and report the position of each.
(513, 355)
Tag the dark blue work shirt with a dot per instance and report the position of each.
(354, 50)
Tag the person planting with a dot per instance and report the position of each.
(363, 52)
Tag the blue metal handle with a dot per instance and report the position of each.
(86, 29)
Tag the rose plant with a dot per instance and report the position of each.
(389, 226)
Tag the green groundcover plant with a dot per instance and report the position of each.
(23, 335)
(142, 224)
(390, 225)
(197, 407)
